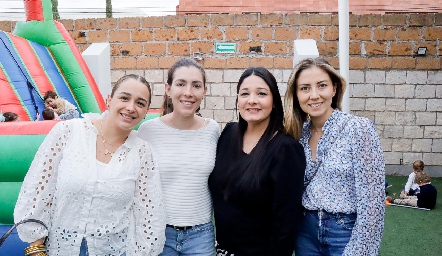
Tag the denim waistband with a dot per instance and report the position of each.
(325, 214)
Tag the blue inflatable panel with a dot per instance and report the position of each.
(13, 246)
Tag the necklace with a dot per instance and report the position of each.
(106, 151)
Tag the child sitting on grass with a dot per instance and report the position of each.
(425, 198)
(411, 187)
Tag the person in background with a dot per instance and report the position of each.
(186, 146)
(411, 187)
(49, 114)
(9, 117)
(62, 107)
(426, 197)
(95, 184)
(344, 196)
(257, 182)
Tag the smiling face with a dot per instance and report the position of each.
(315, 91)
(186, 91)
(129, 103)
(255, 100)
(49, 103)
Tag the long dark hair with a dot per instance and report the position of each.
(245, 174)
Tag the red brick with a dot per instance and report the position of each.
(357, 63)
(5, 26)
(432, 33)
(237, 34)
(271, 19)
(283, 62)
(67, 24)
(204, 47)
(246, 19)
(124, 62)
(310, 33)
(201, 20)
(181, 48)
(165, 34)
(142, 35)
(327, 48)
(97, 36)
(238, 62)
(261, 33)
(115, 49)
(380, 63)
(375, 48)
(396, 19)
(85, 24)
(152, 22)
(147, 63)
(266, 62)
(107, 23)
(296, 19)
(409, 34)
(421, 19)
(221, 19)
(404, 49)
(360, 33)
(167, 62)
(319, 19)
(431, 47)
(438, 19)
(385, 34)
(119, 36)
(174, 21)
(215, 63)
(131, 49)
(185, 34)
(79, 37)
(331, 33)
(334, 62)
(355, 48)
(275, 48)
(428, 63)
(129, 22)
(154, 49)
(286, 33)
(245, 46)
(211, 34)
(370, 20)
(403, 63)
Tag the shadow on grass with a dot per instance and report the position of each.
(411, 231)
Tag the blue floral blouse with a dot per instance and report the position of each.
(350, 177)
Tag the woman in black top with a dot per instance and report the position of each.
(257, 181)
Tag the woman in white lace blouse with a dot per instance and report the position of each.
(95, 184)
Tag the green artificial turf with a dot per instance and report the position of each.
(408, 231)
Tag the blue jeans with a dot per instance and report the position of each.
(84, 250)
(323, 233)
(199, 240)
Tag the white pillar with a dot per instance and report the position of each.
(344, 38)
(97, 58)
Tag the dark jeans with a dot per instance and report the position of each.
(323, 233)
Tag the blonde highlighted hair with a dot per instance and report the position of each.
(294, 116)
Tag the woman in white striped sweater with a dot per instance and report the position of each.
(185, 146)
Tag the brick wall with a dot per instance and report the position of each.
(400, 92)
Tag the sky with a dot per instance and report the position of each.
(76, 9)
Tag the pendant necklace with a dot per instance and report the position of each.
(106, 151)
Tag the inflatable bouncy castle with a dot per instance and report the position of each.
(38, 56)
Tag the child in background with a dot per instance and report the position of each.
(411, 187)
(49, 114)
(64, 108)
(9, 117)
(425, 198)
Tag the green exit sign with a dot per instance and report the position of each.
(225, 47)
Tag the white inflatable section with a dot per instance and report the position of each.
(97, 57)
(304, 48)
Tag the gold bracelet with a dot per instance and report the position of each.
(34, 248)
(37, 251)
(40, 254)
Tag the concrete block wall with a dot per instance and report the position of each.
(389, 84)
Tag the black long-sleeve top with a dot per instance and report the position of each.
(427, 196)
(264, 220)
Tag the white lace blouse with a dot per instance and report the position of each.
(119, 212)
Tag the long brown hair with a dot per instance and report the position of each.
(294, 116)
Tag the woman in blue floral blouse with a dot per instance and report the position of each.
(344, 181)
